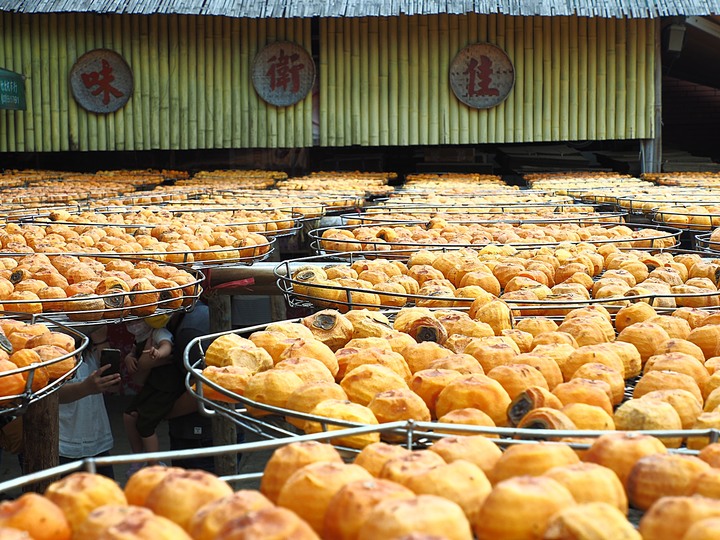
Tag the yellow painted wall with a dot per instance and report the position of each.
(575, 79)
(192, 83)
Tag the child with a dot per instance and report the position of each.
(163, 383)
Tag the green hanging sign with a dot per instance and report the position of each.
(12, 90)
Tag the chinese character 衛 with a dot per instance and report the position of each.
(285, 70)
(102, 80)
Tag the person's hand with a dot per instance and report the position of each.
(132, 364)
(152, 352)
(97, 382)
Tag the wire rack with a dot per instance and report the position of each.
(273, 424)
(116, 304)
(326, 294)
(14, 405)
(375, 245)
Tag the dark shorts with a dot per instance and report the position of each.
(152, 406)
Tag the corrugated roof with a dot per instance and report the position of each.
(365, 8)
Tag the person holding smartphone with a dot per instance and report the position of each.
(84, 424)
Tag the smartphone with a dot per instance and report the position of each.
(111, 357)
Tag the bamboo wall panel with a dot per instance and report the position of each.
(576, 78)
(192, 83)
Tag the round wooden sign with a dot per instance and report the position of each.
(283, 73)
(482, 75)
(101, 81)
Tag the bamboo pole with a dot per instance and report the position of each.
(348, 82)
(146, 118)
(281, 113)
(218, 61)
(132, 31)
(119, 116)
(102, 120)
(518, 95)
(36, 85)
(304, 109)
(414, 94)
(433, 80)
(479, 124)
(262, 106)
(227, 97)
(548, 77)
(184, 82)
(374, 72)
(91, 43)
(356, 104)
(458, 115)
(286, 118)
(106, 25)
(641, 110)
(514, 100)
(330, 93)
(45, 105)
(620, 79)
(270, 112)
(424, 83)
(81, 114)
(341, 83)
(555, 86)
(175, 81)
(391, 37)
(632, 77)
(405, 81)
(492, 30)
(237, 81)
(573, 96)
(25, 40)
(253, 99)
(564, 78)
(610, 94)
(602, 70)
(592, 78)
(63, 94)
(245, 83)
(200, 101)
(583, 78)
(538, 64)
(443, 84)
(128, 112)
(208, 103)
(365, 77)
(384, 80)
(194, 82)
(649, 112)
(528, 112)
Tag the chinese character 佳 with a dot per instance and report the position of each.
(479, 74)
(102, 80)
(285, 69)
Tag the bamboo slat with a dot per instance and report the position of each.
(547, 98)
(260, 106)
(194, 83)
(279, 113)
(374, 81)
(158, 89)
(573, 97)
(432, 93)
(424, 81)
(564, 79)
(642, 82)
(271, 138)
(330, 107)
(537, 99)
(592, 78)
(648, 114)
(528, 114)
(163, 86)
(304, 109)
(448, 129)
(620, 77)
(610, 93)
(404, 87)
(484, 124)
(45, 61)
(347, 53)
(365, 77)
(107, 138)
(208, 102)
(174, 80)
(391, 40)
(253, 100)
(18, 119)
(582, 79)
(602, 69)
(383, 82)
(245, 89)
(146, 118)
(115, 29)
(514, 100)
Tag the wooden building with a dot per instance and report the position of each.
(583, 71)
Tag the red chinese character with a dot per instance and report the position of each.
(479, 78)
(283, 70)
(102, 80)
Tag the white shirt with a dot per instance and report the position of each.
(84, 424)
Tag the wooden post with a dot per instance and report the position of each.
(41, 438)
(223, 429)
